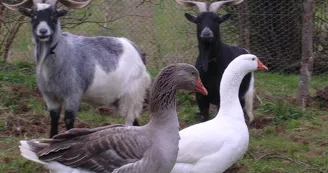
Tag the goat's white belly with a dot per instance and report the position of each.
(106, 88)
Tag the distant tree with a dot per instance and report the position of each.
(9, 26)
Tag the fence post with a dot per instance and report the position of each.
(307, 53)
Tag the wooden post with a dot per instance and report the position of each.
(307, 53)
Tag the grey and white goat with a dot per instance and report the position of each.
(71, 68)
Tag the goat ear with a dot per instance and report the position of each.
(225, 17)
(26, 12)
(61, 12)
(190, 17)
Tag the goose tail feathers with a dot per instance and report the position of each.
(29, 152)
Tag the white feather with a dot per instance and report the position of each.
(28, 153)
(215, 145)
(53, 167)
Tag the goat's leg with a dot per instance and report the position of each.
(135, 122)
(72, 105)
(246, 116)
(54, 107)
(247, 101)
(69, 119)
(203, 105)
(54, 115)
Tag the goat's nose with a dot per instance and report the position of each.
(43, 31)
(206, 33)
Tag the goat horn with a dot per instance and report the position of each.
(216, 5)
(202, 6)
(74, 4)
(28, 4)
(15, 7)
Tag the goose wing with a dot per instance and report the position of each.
(197, 142)
(97, 150)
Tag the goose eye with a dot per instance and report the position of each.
(253, 59)
(193, 73)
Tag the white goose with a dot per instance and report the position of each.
(215, 145)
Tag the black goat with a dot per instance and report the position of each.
(214, 56)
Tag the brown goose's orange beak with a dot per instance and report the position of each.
(200, 87)
(261, 66)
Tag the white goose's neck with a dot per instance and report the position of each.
(229, 91)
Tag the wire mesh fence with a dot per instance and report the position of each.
(270, 29)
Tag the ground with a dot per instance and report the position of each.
(284, 138)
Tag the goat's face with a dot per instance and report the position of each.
(208, 25)
(44, 20)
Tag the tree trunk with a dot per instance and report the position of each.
(243, 29)
(307, 53)
(106, 12)
(2, 8)
(10, 40)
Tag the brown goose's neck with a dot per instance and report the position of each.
(162, 95)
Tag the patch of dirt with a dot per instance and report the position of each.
(261, 121)
(237, 167)
(325, 118)
(322, 95)
(309, 128)
(182, 124)
(22, 90)
(275, 171)
(322, 144)
(280, 129)
(31, 125)
(300, 138)
(22, 108)
(317, 151)
(108, 110)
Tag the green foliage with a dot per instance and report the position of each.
(21, 72)
(7, 99)
(20, 164)
(282, 111)
(276, 84)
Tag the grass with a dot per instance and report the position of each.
(295, 141)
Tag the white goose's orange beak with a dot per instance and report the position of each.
(200, 87)
(261, 66)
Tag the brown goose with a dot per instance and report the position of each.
(151, 148)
